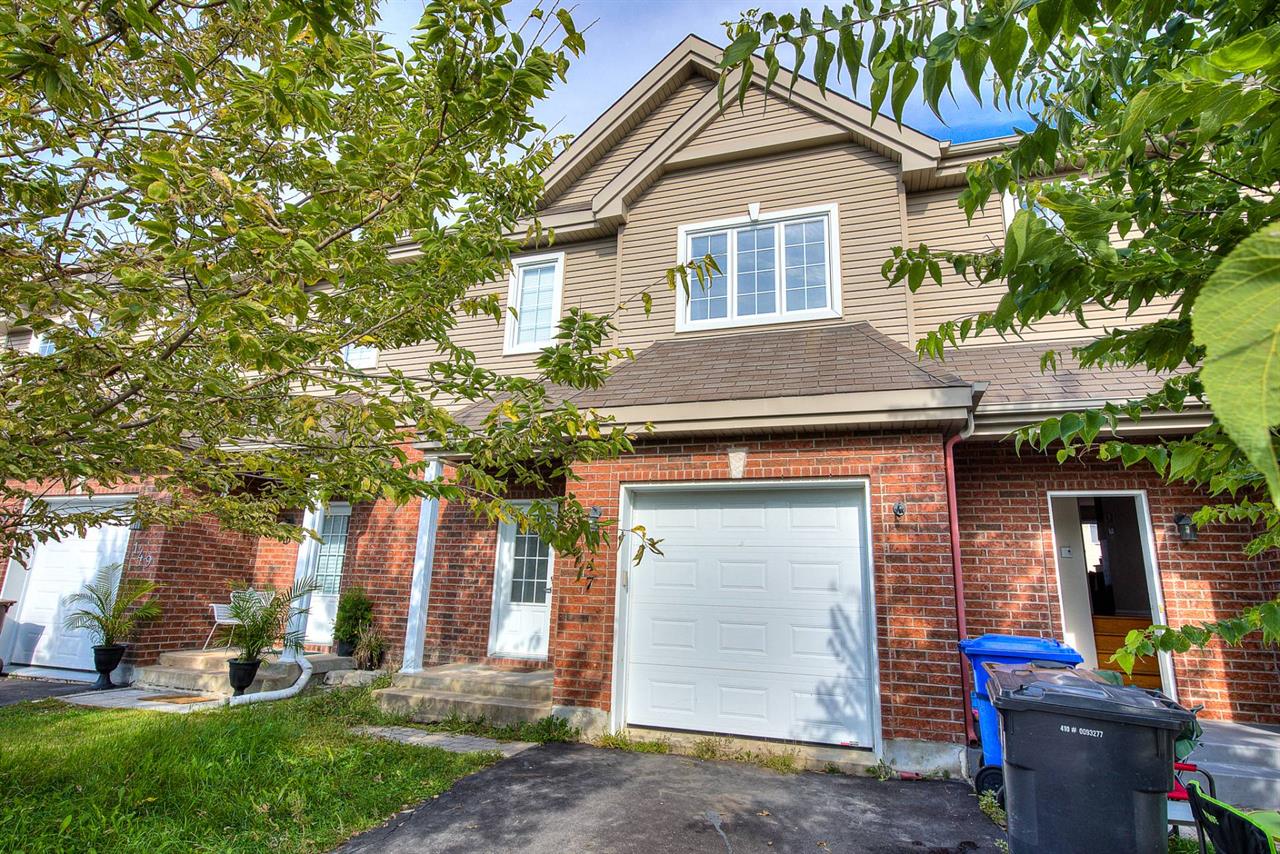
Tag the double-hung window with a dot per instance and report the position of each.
(772, 269)
(533, 300)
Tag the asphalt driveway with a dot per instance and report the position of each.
(16, 690)
(562, 798)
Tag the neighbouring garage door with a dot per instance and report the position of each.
(756, 619)
(56, 571)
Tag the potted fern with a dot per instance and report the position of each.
(110, 609)
(264, 618)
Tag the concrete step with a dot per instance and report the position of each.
(205, 671)
(425, 705)
(478, 681)
(1245, 786)
(212, 682)
(215, 660)
(1238, 744)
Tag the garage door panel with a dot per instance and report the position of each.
(770, 576)
(751, 517)
(755, 619)
(768, 705)
(782, 640)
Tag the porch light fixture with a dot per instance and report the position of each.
(1187, 531)
(594, 515)
(900, 509)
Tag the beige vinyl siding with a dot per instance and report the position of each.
(760, 114)
(934, 218)
(589, 274)
(862, 182)
(616, 159)
(18, 339)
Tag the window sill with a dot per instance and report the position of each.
(756, 320)
(526, 349)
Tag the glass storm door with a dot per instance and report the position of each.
(331, 555)
(521, 618)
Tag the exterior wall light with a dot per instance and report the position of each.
(899, 509)
(1187, 531)
(594, 515)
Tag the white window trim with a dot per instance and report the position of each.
(833, 308)
(509, 345)
(1009, 205)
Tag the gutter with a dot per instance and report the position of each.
(957, 574)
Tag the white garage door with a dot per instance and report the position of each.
(56, 571)
(756, 620)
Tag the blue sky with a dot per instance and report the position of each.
(628, 37)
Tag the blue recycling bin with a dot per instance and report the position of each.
(1004, 649)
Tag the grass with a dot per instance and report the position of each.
(542, 731)
(288, 776)
(990, 806)
(623, 741)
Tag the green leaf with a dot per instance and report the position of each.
(743, 46)
(1236, 318)
(904, 83)
(822, 62)
(1006, 52)
(973, 61)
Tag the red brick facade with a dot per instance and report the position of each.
(1011, 582)
(915, 597)
(1007, 549)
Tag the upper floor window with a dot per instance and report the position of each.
(533, 300)
(42, 345)
(775, 268)
(360, 356)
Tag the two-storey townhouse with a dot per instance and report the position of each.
(835, 513)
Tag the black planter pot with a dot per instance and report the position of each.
(345, 648)
(241, 673)
(106, 658)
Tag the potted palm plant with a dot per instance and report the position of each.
(110, 609)
(264, 618)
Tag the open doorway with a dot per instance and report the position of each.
(1107, 577)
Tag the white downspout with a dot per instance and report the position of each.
(281, 694)
(415, 630)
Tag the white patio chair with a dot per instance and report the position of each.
(222, 612)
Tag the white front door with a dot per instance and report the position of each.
(756, 619)
(521, 619)
(58, 570)
(330, 558)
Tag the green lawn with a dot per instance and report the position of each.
(279, 777)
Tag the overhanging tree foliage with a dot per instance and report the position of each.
(1149, 175)
(196, 206)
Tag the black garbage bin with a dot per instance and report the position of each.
(1087, 764)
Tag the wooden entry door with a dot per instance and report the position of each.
(1108, 636)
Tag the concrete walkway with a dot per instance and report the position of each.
(452, 742)
(570, 797)
(17, 690)
(147, 700)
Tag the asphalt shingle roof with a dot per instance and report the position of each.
(839, 359)
(1013, 371)
(845, 358)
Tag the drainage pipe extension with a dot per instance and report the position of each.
(962, 631)
(282, 694)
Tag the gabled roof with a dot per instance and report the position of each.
(918, 154)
